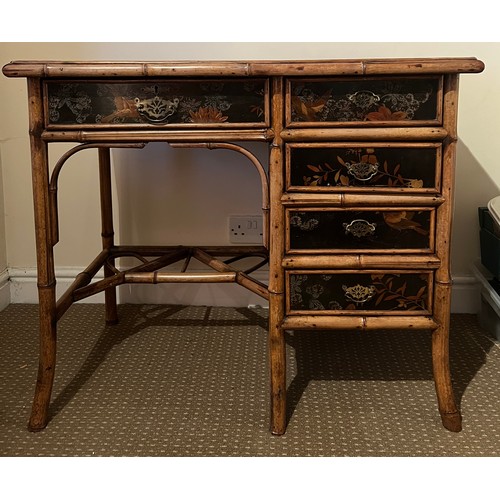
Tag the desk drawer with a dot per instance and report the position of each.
(166, 103)
(351, 292)
(383, 101)
(354, 230)
(391, 167)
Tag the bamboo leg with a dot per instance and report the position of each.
(277, 364)
(111, 313)
(45, 262)
(277, 359)
(450, 415)
(47, 359)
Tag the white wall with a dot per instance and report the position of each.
(4, 285)
(190, 188)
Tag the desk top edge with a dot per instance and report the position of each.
(346, 67)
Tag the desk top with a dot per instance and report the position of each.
(110, 69)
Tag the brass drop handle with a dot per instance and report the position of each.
(360, 228)
(359, 294)
(362, 171)
(156, 109)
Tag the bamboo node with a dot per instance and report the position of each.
(444, 283)
(42, 286)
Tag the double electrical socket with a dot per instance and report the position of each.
(245, 229)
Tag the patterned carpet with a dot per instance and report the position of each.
(193, 381)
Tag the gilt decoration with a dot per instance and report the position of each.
(161, 102)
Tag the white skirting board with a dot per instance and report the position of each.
(4, 289)
(23, 289)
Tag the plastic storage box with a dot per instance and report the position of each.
(487, 271)
(489, 237)
(489, 311)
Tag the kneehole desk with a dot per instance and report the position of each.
(357, 205)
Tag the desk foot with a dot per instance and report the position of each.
(111, 311)
(452, 421)
(36, 427)
(47, 359)
(277, 432)
(40, 411)
(277, 362)
(450, 414)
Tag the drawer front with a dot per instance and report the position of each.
(389, 167)
(375, 102)
(354, 230)
(349, 292)
(186, 103)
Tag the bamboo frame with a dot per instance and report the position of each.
(276, 201)
(156, 277)
(54, 180)
(450, 414)
(365, 134)
(149, 271)
(107, 231)
(239, 277)
(219, 251)
(45, 261)
(81, 280)
(315, 322)
(361, 261)
(156, 135)
(277, 347)
(355, 67)
(345, 200)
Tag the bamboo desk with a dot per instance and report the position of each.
(357, 205)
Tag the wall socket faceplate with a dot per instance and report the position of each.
(245, 229)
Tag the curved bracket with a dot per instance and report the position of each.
(260, 169)
(54, 178)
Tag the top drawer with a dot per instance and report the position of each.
(189, 103)
(372, 102)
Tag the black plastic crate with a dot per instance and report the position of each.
(489, 238)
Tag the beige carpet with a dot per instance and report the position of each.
(193, 381)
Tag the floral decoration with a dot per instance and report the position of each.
(344, 173)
